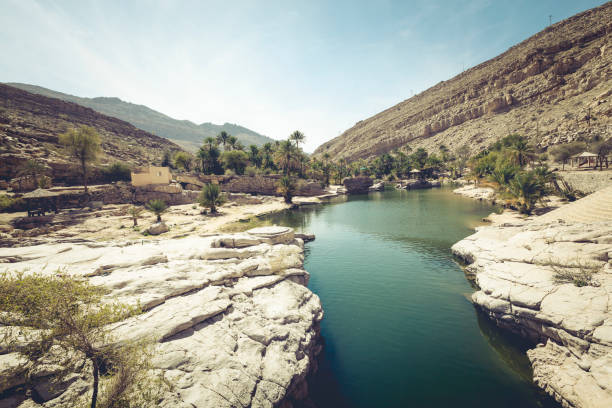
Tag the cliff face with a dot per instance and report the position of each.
(30, 125)
(553, 87)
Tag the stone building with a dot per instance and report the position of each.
(144, 176)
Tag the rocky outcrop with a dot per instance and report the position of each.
(549, 88)
(233, 322)
(551, 282)
(357, 185)
(476, 192)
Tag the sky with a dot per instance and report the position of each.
(271, 66)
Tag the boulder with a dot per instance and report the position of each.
(157, 228)
(357, 185)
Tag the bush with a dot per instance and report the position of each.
(251, 171)
(235, 160)
(118, 172)
(211, 197)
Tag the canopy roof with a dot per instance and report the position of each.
(40, 193)
(585, 154)
(415, 171)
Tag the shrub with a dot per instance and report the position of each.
(235, 160)
(118, 172)
(157, 207)
(211, 197)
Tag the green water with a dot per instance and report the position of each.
(398, 328)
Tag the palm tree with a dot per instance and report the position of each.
(231, 141)
(211, 197)
(527, 189)
(522, 152)
(503, 175)
(286, 187)
(210, 141)
(254, 156)
(222, 138)
(285, 156)
(298, 137)
(157, 207)
(135, 214)
(266, 156)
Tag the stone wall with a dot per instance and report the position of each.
(587, 181)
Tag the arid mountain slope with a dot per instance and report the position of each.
(553, 87)
(30, 125)
(183, 132)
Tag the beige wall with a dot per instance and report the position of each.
(151, 175)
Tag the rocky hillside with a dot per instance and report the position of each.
(30, 125)
(183, 132)
(553, 87)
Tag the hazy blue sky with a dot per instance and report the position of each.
(273, 66)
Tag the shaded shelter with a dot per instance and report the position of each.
(40, 201)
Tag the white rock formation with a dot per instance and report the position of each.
(233, 321)
(478, 193)
(516, 268)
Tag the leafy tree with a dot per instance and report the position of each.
(419, 158)
(267, 151)
(135, 212)
(166, 159)
(83, 144)
(60, 319)
(602, 149)
(503, 175)
(297, 137)
(182, 160)
(211, 197)
(286, 186)
(235, 160)
(118, 172)
(157, 207)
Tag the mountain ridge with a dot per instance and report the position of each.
(185, 133)
(547, 87)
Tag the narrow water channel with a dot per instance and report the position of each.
(398, 328)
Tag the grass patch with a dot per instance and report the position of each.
(580, 276)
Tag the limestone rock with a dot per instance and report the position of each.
(357, 185)
(158, 228)
(517, 267)
(233, 324)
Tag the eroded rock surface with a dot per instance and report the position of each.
(517, 268)
(233, 322)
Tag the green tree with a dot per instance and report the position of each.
(235, 160)
(83, 144)
(209, 158)
(211, 197)
(135, 212)
(285, 157)
(267, 151)
(166, 159)
(254, 156)
(419, 158)
(232, 141)
(59, 316)
(521, 151)
(222, 138)
(527, 189)
(157, 207)
(286, 186)
(503, 175)
(297, 137)
(182, 160)
(602, 149)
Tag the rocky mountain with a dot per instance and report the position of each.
(554, 87)
(30, 125)
(183, 132)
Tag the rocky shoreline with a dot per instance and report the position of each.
(231, 317)
(550, 281)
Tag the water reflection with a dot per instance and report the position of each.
(398, 330)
